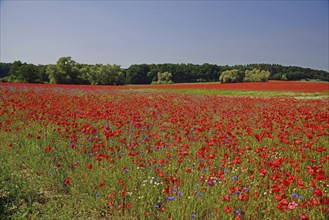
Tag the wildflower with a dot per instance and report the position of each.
(193, 215)
(303, 216)
(237, 212)
(171, 198)
(318, 192)
(292, 205)
(111, 195)
(180, 194)
(67, 181)
(199, 194)
(98, 195)
(227, 209)
(156, 206)
(295, 195)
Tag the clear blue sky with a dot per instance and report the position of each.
(134, 32)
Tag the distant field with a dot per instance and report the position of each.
(271, 86)
(162, 152)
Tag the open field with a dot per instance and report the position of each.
(186, 151)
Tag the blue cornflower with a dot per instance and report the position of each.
(234, 177)
(237, 212)
(122, 154)
(199, 194)
(193, 215)
(301, 197)
(171, 198)
(237, 192)
(156, 206)
(225, 171)
(245, 189)
(180, 193)
(126, 171)
(98, 195)
(55, 167)
(295, 195)
(50, 174)
(175, 189)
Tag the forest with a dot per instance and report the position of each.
(68, 71)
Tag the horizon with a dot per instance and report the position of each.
(293, 33)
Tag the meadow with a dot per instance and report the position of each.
(186, 151)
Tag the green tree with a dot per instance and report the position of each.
(137, 74)
(231, 76)
(165, 78)
(64, 72)
(256, 75)
(23, 72)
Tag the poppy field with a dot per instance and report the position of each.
(88, 152)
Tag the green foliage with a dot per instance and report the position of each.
(138, 74)
(164, 78)
(256, 75)
(231, 76)
(64, 72)
(67, 71)
(23, 72)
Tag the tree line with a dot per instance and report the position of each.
(67, 71)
